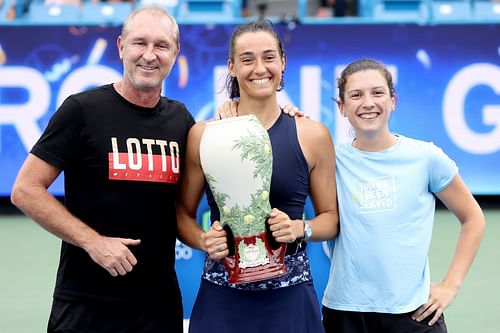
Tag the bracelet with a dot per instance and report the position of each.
(300, 240)
(307, 230)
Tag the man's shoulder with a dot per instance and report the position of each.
(93, 92)
(178, 108)
(173, 103)
(88, 100)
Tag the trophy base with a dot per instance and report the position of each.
(255, 259)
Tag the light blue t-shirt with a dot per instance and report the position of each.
(386, 206)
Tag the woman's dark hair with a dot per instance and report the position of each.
(255, 26)
(363, 65)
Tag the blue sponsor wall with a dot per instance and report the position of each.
(447, 81)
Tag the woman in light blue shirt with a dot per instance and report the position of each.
(386, 184)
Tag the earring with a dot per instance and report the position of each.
(282, 82)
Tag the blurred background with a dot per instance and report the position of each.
(444, 56)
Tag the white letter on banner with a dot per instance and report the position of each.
(310, 91)
(454, 113)
(24, 116)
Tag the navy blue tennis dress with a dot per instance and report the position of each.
(285, 304)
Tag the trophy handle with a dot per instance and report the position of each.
(230, 240)
(270, 238)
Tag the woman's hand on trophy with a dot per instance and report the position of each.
(283, 229)
(215, 242)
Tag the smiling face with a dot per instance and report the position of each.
(367, 102)
(257, 64)
(148, 47)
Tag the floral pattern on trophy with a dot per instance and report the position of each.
(256, 256)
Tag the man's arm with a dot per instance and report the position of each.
(30, 195)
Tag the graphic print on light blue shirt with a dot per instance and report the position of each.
(375, 194)
(386, 207)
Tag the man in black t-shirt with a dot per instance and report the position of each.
(121, 147)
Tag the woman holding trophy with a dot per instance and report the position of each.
(258, 169)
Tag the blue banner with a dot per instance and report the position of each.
(447, 80)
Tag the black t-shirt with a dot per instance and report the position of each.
(121, 164)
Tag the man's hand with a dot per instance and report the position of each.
(113, 254)
(229, 109)
(441, 296)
